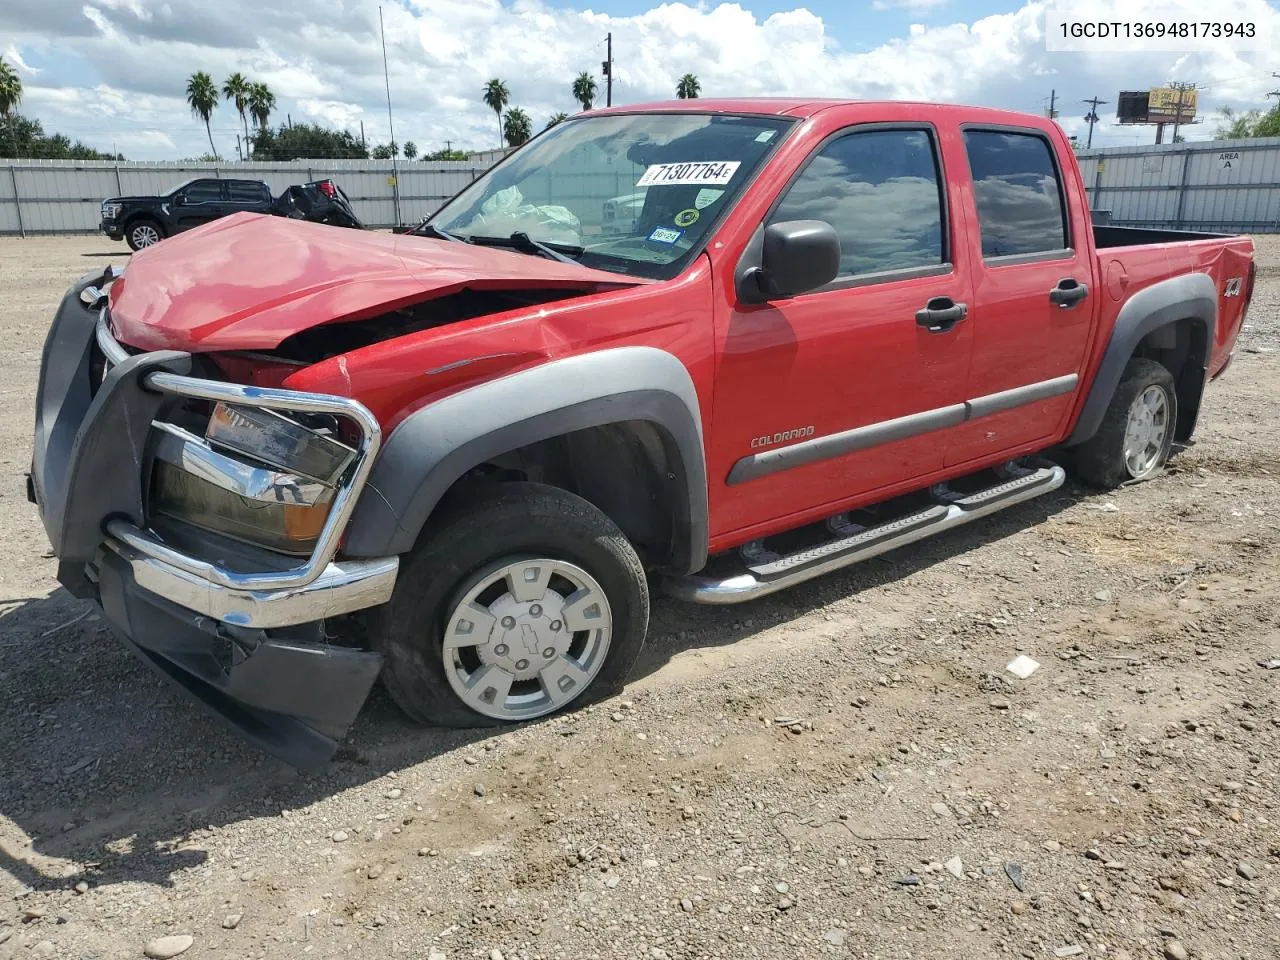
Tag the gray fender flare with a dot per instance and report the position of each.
(1192, 296)
(434, 446)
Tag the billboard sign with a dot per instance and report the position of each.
(1163, 105)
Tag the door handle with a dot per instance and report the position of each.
(941, 314)
(1068, 293)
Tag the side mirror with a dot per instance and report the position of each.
(179, 199)
(796, 256)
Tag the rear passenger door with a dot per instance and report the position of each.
(1033, 293)
(247, 196)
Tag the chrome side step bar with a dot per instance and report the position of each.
(762, 579)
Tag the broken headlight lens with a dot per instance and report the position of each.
(279, 442)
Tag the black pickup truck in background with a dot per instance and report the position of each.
(143, 221)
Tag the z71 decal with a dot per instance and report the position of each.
(799, 433)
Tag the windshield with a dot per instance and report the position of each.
(631, 193)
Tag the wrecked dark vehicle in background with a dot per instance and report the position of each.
(142, 221)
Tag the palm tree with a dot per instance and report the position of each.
(410, 149)
(517, 128)
(261, 102)
(236, 89)
(202, 96)
(496, 97)
(10, 97)
(560, 117)
(688, 88)
(584, 89)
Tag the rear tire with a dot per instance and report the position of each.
(143, 233)
(1136, 435)
(522, 602)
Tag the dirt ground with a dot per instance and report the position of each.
(845, 770)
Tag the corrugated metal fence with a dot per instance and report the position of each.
(64, 196)
(1231, 186)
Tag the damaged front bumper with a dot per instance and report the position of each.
(238, 628)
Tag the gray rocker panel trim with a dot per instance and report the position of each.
(1193, 296)
(436, 445)
(901, 428)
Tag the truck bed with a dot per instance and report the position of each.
(1106, 236)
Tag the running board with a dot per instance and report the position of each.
(764, 578)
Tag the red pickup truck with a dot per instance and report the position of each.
(286, 459)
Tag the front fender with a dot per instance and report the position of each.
(435, 446)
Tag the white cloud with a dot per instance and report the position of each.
(324, 61)
(914, 6)
(13, 56)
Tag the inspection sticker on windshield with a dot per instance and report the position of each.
(701, 173)
(665, 235)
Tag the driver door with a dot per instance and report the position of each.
(843, 394)
(200, 202)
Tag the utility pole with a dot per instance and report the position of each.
(1092, 118)
(1053, 99)
(386, 73)
(1177, 114)
(607, 68)
(1274, 93)
(363, 146)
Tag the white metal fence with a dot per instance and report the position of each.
(1221, 185)
(64, 196)
(1231, 186)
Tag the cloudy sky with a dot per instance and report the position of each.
(112, 72)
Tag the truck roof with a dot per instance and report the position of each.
(808, 106)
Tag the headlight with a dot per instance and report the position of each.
(279, 442)
(278, 525)
(111, 210)
(256, 476)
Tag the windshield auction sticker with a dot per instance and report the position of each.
(705, 173)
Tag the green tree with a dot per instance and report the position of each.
(446, 154)
(556, 118)
(10, 97)
(28, 139)
(410, 149)
(688, 87)
(385, 151)
(496, 97)
(305, 141)
(202, 97)
(584, 89)
(236, 89)
(517, 128)
(1248, 125)
(261, 102)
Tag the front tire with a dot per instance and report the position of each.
(143, 233)
(1136, 435)
(516, 605)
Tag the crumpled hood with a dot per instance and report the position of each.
(248, 281)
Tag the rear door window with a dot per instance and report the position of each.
(246, 191)
(1018, 193)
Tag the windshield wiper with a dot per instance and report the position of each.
(522, 241)
(432, 228)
